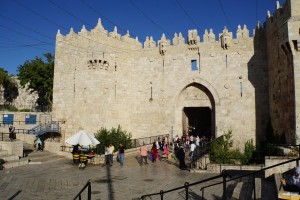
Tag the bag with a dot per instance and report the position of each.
(150, 157)
(118, 159)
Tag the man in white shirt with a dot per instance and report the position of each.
(192, 150)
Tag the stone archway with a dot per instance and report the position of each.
(196, 106)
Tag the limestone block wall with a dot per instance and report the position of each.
(25, 99)
(283, 38)
(103, 79)
(13, 148)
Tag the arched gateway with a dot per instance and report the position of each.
(195, 111)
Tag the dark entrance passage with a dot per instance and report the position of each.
(199, 121)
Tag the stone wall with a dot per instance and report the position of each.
(280, 169)
(12, 148)
(103, 79)
(25, 99)
(283, 40)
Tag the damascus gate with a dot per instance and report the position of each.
(208, 83)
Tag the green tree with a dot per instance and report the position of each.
(10, 87)
(114, 136)
(38, 75)
(222, 151)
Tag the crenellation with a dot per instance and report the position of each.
(209, 37)
(226, 38)
(193, 37)
(149, 43)
(163, 43)
(178, 39)
(83, 32)
(99, 29)
(115, 34)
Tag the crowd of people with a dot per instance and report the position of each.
(177, 149)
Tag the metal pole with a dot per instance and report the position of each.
(161, 193)
(90, 191)
(224, 185)
(254, 190)
(186, 185)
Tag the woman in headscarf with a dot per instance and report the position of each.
(181, 158)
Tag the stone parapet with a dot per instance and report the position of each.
(13, 148)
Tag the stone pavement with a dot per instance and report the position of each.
(59, 178)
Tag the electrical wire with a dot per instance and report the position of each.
(225, 15)
(62, 27)
(186, 14)
(148, 18)
(106, 18)
(69, 13)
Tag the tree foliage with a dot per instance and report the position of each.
(222, 151)
(10, 87)
(114, 136)
(38, 75)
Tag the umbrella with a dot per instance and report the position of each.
(82, 138)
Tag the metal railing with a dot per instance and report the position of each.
(147, 140)
(202, 150)
(224, 182)
(88, 185)
(45, 127)
(28, 122)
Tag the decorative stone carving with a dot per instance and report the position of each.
(193, 37)
(225, 38)
(163, 43)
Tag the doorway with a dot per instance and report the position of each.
(198, 121)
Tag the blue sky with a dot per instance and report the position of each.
(28, 27)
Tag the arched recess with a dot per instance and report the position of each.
(195, 111)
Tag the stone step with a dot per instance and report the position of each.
(33, 158)
(3, 153)
(258, 188)
(15, 163)
(242, 191)
(10, 157)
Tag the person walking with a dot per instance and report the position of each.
(11, 133)
(181, 158)
(121, 154)
(166, 151)
(107, 155)
(192, 150)
(154, 153)
(144, 154)
(111, 155)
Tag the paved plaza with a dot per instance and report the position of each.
(59, 178)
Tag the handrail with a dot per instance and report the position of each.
(202, 150)
(30, 122)
(224, 175)
(251, 173)
(186, 186)
(147, 140)
(87, 185)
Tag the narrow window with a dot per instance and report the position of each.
(194, 65)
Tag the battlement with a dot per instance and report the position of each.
(225, 39)
(281, 13)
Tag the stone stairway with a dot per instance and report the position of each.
(30, 157)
